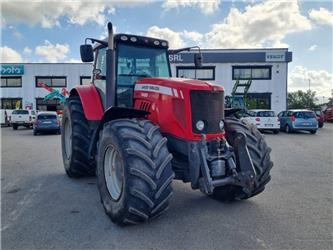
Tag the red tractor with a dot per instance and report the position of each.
(137, 129)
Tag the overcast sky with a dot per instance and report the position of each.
(51, 31)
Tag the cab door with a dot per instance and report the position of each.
(99, 74)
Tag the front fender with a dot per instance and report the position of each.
(91, 101)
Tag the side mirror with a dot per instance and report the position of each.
(87, 54)
(198, 60)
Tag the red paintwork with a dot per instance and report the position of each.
(91, 101)
(329, 114)
(173, 112)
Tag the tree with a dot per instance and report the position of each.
(302, 100)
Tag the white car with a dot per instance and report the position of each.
(22, 117)
(4, 116)
(264, 120)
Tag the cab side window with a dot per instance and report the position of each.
(99, 73)
(100, 66)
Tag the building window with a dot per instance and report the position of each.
(251, 72)
(258, 100)
(11, 103)
(11, 81)
(48, 105)
(52, 81)
(204, 73)
(85, 80)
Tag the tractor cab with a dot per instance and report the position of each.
(135, 57)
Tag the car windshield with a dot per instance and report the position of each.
(46, 117)
(135, 62)
(265, 114)
(248, 113)
(20, 112)
(305, 115)
(318, 113)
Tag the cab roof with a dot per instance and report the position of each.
(136, 40)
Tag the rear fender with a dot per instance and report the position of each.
(113, 113)
(91, 101)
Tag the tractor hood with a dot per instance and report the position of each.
(181, 83)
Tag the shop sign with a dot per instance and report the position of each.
(173, 58)
(275, 56)
(13, 69)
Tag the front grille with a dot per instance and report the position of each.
(207, 106)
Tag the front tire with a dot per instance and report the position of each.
(75, 139)
(134, 172)
(15, 127)
(259, 153)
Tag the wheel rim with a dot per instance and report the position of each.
(113, 172)
(68, 138)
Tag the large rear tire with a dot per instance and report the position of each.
(75, 139)
(260, 155)
(134, 172)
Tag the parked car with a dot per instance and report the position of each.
(22, 117)
(4, 117)
(264, 119)
(46, 122)
(328, 113)
(320, 117)
(294, 120)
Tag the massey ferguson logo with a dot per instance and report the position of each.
(159, 89)
(150, 87)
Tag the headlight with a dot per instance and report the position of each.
(200, 125)
(221, 125)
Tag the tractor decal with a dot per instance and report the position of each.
(159, 89)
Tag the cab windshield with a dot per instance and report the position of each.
(137, 62)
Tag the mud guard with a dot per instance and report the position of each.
(91, 101)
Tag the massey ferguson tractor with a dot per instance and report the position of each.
(137, 129)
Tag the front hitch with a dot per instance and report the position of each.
(239, 164)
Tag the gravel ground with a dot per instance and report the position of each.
(43, 209)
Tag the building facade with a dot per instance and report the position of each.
(34, 85)
(21, 83)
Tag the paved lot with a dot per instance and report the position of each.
(43, 209)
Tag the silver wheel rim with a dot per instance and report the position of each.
(68, 138)
(113, 172)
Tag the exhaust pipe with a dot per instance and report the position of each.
(111, 90)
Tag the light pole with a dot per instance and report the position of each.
(309, 93)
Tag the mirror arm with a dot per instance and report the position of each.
(176, 51)
(93, 40)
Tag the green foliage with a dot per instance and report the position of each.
(302, 100)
